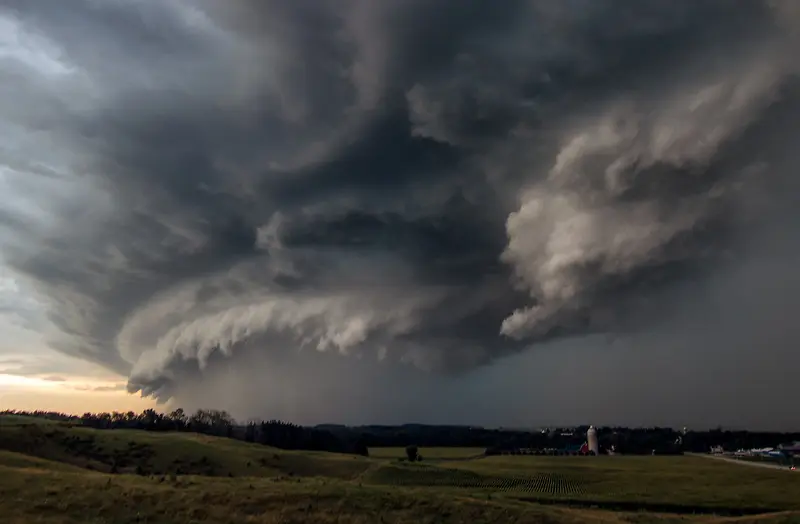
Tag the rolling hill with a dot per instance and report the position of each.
(62, 473)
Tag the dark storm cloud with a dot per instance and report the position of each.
(432, 183)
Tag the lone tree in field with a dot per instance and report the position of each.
(411, 453)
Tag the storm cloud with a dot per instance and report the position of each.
(367, 198)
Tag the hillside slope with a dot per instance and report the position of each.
(59, 473)
(141, 452)
(37, 490)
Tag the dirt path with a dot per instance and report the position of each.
(740, 462)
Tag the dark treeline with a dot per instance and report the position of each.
(284, 435)
(357, 440)
(620, 439)
(275, 433)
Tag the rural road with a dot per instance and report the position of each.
(740, 462)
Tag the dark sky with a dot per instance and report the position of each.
(515, 213)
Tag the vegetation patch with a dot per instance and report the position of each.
(655, 507)
(161, 476)
(429, 454)
(162, 453)
(546, 483)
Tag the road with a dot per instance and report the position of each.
(741, 462)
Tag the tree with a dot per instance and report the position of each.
(250, 432)
(411, 453)
(360, 447)
(117, 419)
(178, 419)
(149, 418)
(104, 420)
(200, 421)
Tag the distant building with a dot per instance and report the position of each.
(591, 441)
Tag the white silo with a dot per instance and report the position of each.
(591, 440)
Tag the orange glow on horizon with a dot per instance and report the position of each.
(69, 396)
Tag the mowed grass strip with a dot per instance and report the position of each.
(428, 453)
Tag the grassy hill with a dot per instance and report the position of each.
(141, 452)
(17, 420)
(57, 473)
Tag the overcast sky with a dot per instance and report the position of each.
(502, 213)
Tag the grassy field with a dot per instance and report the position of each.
(679, 484)
(141, 452)
(428, 453)
(17, 420)
(53, 473)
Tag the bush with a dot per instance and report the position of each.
(411, 453)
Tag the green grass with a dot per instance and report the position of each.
(43, 492)
(427, 453)
(20, 420)
(49, 495)
(691, 481)
(9, 459)
(55, 473)
(419, 475)
(133, 451)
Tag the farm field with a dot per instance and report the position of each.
(54, 473)
(682, 483)
(428, 453)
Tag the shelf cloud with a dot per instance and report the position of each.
(358, 194)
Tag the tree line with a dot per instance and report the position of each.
(621, 439)
(357, 440)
